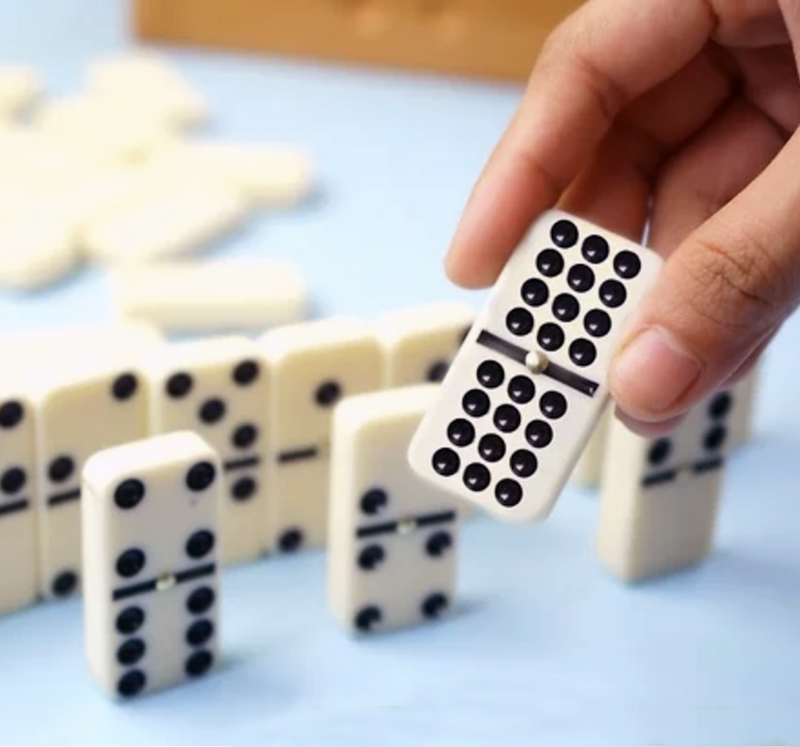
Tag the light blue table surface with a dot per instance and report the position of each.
(543, 649)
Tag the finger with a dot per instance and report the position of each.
(746, 368)
(598, 61)
(730, 282)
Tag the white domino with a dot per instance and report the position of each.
(219, 388)
(180, 218)
(528, 385)
(87, 397)
(147, 84)
(746, 393)
(313, 366)
(210, 295)
(18, 511)
(150, 516)
(392, 541)
(20, 87)
(419, 343)
(659, 497)
(268, 174)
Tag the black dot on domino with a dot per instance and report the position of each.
(582, 352)
(613, 293)
(550, 263)
(523, 463)
(129, 494)
(130, 620)
(580, 278)
(328, 393)
(199, 632)
(521, 390)
(199, 663)
(538, 434)
(124, 387)
(597, 323)
(720, 405)
(131, 651)
(476, 403)
(371, 557)
(437, 371)
(291, 540)
(477, 477)
(245, 373)
(715, 438)
(446, 462)
(491, 374)
(244, 436)
(595, 249)
(535, 292)
(491, 447)
(200, 544)
(508, 493)
(11, 414)
(566, 307)
(627, 265)
(13, 480)
(374, 501)
(550, 337)
(212, 411)
(61, 468)
(507, 418)
(659, 452)
(130, 562)
(200, 476)
(461, 432)
(438, 544)
(434, 605)
(131, 683)
(64, 584)
(200, 600)
(179, 385)
(243, 489)
(564, 234)
(519, 322)
(553, 405)
(368, 619)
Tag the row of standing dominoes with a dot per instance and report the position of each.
(112, 175)
(264, 405)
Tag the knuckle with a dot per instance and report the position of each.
(735, 280)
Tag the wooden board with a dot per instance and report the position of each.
(484, 38)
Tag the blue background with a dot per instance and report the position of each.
(543, 648)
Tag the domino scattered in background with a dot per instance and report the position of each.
(210, 295)
(392, 541)
(219, 388)
(313, 366)
(20, 88)
(527, 387)
(150, 515)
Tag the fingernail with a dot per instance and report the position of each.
(652, 373)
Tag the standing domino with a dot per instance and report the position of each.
(313, 366)
(659, 497)
(419, 343)
(589, 468)
(746, 392)
(219, 388)
(392, 536)
(152, 581)
(84, 403)
(529, 384)
(18, 512)
(20, 87)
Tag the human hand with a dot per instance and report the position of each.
(683, 112)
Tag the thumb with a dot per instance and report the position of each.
(720, 296)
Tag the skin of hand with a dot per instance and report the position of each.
(681, 113)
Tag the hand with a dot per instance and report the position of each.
(682, 112)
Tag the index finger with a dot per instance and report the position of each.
(601, 58)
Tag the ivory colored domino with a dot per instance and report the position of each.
(20, 87)
(182, 217)
(269, 174)
(145, 82)
(745, 392)
(588, 470)
(151, 607)
(210, 295)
